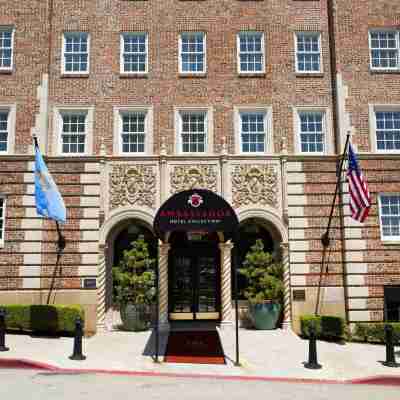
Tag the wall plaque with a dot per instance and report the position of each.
(299, 295)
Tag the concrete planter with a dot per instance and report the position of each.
(135, 317)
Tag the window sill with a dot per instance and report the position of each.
(252, 75)
(309, 74)
(384, 71)
(192, 75)
(126, 75)
(6, 71)
(83, 75)
(391, 242)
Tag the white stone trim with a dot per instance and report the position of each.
(11, 109)
(88, 247)
(268, 126)
(372, 109)
(358, 303)
(89, 201)
(357, 291)
(91, 213)
(58, 111)
(3, 230)
(148, 129)
(90, 178)
(326, 124)
(359, 316)
(33, 258)
(267, 215)
(120, 214)
(92, 190)
(90, 258)
(209, 113)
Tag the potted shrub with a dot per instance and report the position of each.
(264, 289)
(134, 286)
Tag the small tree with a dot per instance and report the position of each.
(134, 277)
(264, 275)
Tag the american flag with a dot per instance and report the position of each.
(360, 199)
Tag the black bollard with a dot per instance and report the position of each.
(3, 330)
(312, 349)
(77, 353)
(390, 356)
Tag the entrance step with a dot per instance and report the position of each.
(193, 326)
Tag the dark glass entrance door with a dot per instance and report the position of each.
(194, 285)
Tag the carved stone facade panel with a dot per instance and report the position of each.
(185, 177)
(255, 184)
(133, 185)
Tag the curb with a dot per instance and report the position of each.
(19, 363)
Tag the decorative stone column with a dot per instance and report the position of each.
(101, 288)
(163, 284)
(287, 310)
(226, 291)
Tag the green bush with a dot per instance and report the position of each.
(327, 326)
(44, 319)
(374, 332)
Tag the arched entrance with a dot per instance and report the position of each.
(122, 227)
(250, 230)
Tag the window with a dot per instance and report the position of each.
(76, 53)
(387, 130)
(192, 53)
(252, 132)
(133, 132)
(134, 53)
(389, 205)
(193, 131)
(6, 48)
(308, 52)
(2, 218)
(73, 136)
(250, 52)
(384, 47)
(4, 131)
(311, 131)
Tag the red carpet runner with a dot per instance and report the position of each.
(201, 347)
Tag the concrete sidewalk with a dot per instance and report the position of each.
(274, 354)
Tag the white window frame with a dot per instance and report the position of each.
(307, 33)
(5, 28)
(181, 72)
(148, 134)
(209, 140)
(397, 47)
(240, 72)
(63, 71)
(373, 109)
(3, 230)
(268, 126)
(386, 238)
(327, 126)
(58, 113)
(11, 111)
(121, 58)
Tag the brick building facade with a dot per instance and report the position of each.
(133, 101)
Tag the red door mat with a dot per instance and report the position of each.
(201, 347)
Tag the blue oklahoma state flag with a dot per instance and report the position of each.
(49, 202)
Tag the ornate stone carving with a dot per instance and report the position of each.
(185, 177)
(132, 184)
(254, 184)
